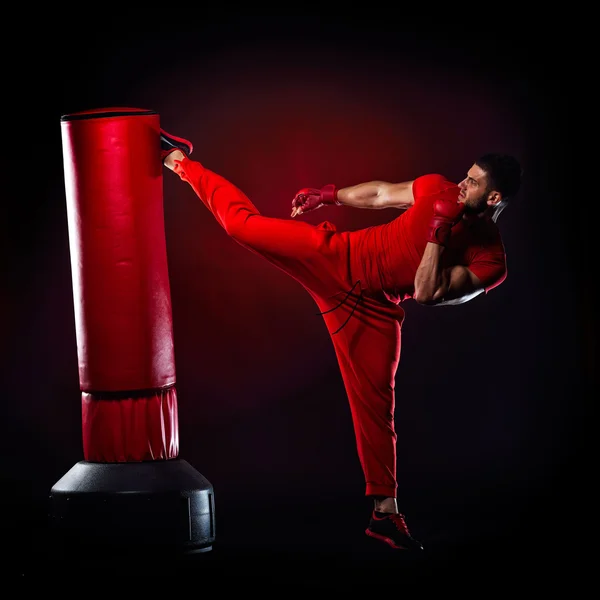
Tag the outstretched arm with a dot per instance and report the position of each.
(372, 194)
(377, 195)
(437, 286)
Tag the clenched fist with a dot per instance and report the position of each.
(308, 199)
(446, 214)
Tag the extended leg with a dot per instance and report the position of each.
(304, 251)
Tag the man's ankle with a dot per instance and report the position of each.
(385, 505)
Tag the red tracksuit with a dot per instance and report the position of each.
(358, 280)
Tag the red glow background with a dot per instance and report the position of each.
(489, 394)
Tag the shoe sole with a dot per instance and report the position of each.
(174, 138)
(387, 540)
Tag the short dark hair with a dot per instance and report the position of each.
(504, 172)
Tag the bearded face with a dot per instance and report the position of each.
(476, 203)
(475, 190)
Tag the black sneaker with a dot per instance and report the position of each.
(391, 528)
(169, 143)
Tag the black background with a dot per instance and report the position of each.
(490, 395)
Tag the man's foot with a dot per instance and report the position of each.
(169, 143)
(391, 528)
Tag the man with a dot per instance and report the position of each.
(444, 248)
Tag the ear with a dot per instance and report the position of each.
(494, 198)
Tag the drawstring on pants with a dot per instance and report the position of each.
(343, 302)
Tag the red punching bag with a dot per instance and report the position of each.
(122, 299)
(125, 350)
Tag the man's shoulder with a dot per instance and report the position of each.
(432, 184)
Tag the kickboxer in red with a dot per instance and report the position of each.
(443, 248)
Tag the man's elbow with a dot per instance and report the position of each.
(456, 285)
(428, 297)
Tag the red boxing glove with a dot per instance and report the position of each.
(308, 199)
(446, 214)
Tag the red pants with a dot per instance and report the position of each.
(368, 344)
